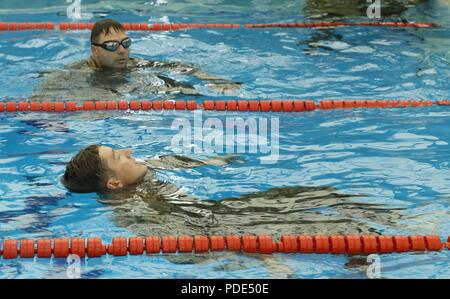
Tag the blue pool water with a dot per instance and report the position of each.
(382, 171)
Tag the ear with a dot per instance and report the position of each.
(114, 184)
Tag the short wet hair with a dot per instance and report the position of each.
(86, 172)
(104, 27)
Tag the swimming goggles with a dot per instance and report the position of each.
(114, 45)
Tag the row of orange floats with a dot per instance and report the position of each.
(335, 24)
(263, 244)
(14, 26)
(219, 105)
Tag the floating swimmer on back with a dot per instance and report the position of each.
(111, 74)
(146, 205)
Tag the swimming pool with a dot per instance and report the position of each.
(382, 171)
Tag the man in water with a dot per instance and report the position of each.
(110, 73)
(142, 200)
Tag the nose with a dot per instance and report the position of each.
(121, 49)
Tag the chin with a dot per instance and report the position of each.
(144, 172)
(120, 66)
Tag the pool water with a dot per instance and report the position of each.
(380, 171)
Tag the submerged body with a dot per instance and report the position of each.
(156, 207)
(141, 79)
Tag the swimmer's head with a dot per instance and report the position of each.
(100, 169)
(105, 36)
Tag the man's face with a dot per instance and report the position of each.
(126, 171)
(107, 59)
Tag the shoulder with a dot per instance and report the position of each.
(141, 63)
(85, 63)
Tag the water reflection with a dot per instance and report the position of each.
(163, 209)
(78, 84)
(326, 9)
(331, 10)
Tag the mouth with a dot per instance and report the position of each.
(121, 60)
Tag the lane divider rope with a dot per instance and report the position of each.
(65, 26)
(263, 244)
(218, 105)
